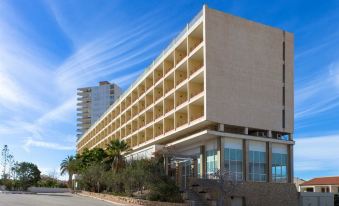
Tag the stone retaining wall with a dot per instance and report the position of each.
(128, 200)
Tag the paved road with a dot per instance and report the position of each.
(56, 199)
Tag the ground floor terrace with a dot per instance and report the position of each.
(247, 158)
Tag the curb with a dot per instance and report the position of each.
(118, 203)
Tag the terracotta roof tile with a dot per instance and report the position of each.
(322, 181)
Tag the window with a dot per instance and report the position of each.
(309, 189)
(279, 167)
(233, 161)
(257, 166)
(211, 157)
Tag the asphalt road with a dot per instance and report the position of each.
(55, 199)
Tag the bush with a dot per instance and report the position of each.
(143, 178)
(164, 189)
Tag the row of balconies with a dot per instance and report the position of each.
(186, 89)
(153, 113)
(178, 70)
(142, 129)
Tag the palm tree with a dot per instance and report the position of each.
(68, 165)
(114, 156)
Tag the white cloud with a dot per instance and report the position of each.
(319, 95)
(44, 144)
(319, 153)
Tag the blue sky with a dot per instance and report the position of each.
(50, 48)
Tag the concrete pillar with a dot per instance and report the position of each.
(221, 127)
(202, 161)
(269, 133)
(177, 173)
(166, 164)
(220, 154)
(246, 159)
(246, 130)
(195, 168)
(269, 161)
(290, 166)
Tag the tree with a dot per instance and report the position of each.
(114, 154)
(70, 166)
(227, 183)
(89, 157)
(7, 162)
(27, 173)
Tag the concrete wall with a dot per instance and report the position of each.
(244, 73)
(316, 199)
(128, 200)
(48, 190)
(256, 193)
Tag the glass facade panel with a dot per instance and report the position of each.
(279, 167)
(257, 166)
(233, 162)
(211, 162)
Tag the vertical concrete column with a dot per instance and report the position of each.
(269, 161)
(269, 133)
(246, 130)
(246, 149)
(177, 173)
(194, 168)
(166, 164)
(221, 127)
(220, 154)
(290, 166)
(202, 161)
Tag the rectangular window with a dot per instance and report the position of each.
(233, 162)
(211, 157)
(284, 51)
(283, 74)
(279, 167)
(283, 96)
(283, 118)
(257, 166)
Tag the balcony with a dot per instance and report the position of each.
(180, 52)
(181, 117)
(195, 38)
(168, 124)
(158, 130)
(196, 61)
(168, 64)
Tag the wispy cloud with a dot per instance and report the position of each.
(322, 91)
(29, 143)
(319, 153)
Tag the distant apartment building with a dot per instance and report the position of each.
(321, 184)
(93, 102)
(220, 97)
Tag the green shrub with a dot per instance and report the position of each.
(164, 189)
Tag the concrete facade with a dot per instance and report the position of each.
(247, 58)
(93, 102)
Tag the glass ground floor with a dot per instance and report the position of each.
(250, 160)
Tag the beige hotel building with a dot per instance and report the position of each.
(219, 97)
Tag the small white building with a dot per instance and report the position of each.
(321, 184)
